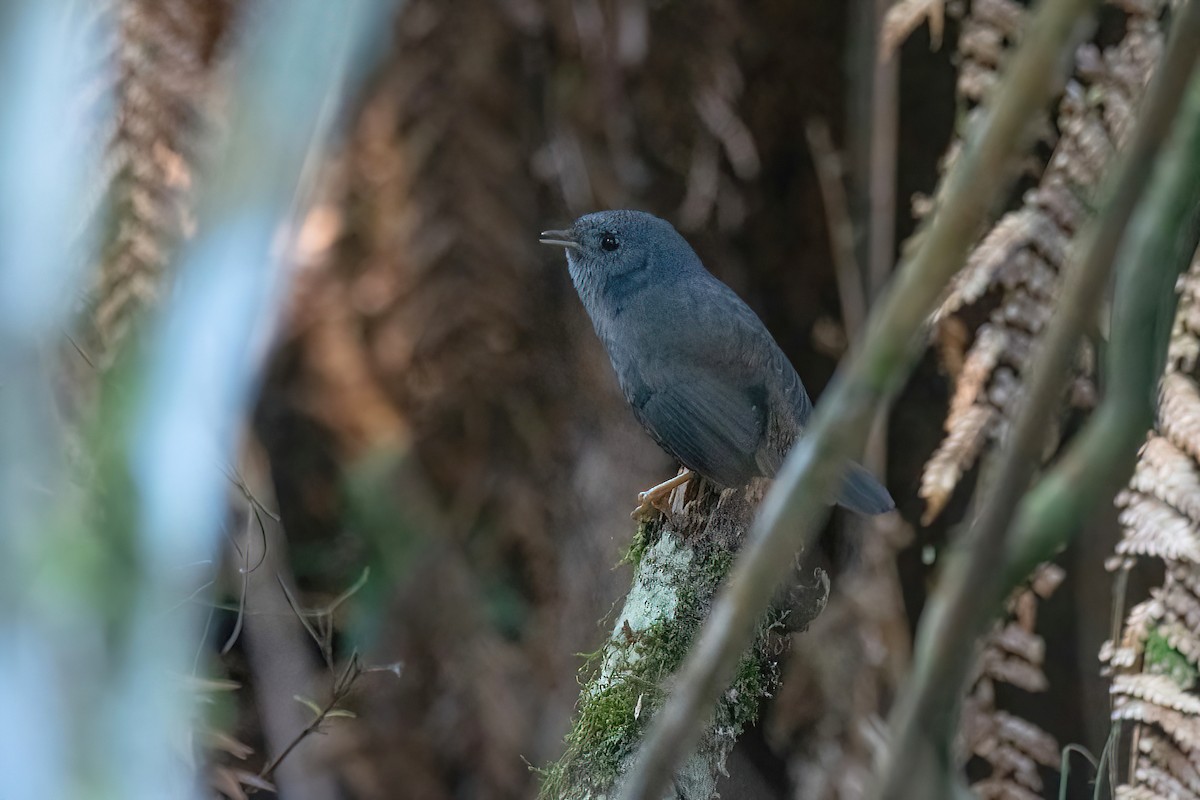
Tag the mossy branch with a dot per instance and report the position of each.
(678, 567)
(795, 506)
(918, 763)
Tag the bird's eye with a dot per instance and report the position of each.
(609, 242)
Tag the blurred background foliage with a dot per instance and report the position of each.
(421, 524)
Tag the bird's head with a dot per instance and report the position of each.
(611, 252)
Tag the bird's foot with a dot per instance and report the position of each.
(656, 497)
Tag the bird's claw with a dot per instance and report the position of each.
(648, 504)
(657, 497)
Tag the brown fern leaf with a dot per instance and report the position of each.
(1156, 663)
(1154, 528)
(1179, 408)
(1165, 768)
(905, 16)
(1019, 260)
(1013, 653)
(1169, 474)
(987, 31)
(164, 62)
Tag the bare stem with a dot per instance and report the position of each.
(881, 186)
(790, 516)
(849, 275)
(341, 688)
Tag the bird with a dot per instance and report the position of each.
(699, 369)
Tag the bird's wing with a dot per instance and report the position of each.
(744, 404)
(735, 338)
(710, 424)
(722, 397)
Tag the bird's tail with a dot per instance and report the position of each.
(862, 493)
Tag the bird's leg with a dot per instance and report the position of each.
(656, 496)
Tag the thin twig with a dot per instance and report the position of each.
(323, 615)
(958, 612)
(79, 349)
(881, 158)
(830, 175)
(190, 597)
(795, 505)
(203, 640)
(883, 141)
(341, 688)
(1120, 598)
(354, 589)
(241, 609)
(322, 644)
(236, 478)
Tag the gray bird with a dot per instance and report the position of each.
(703, 375)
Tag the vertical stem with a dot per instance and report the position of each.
(881, 186)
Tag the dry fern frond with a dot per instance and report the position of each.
(1163, 757)
(1156, 664)
(1179, 409)
(961, 447)
(164, 64)
(1154, 528)
(1179, 726)
(1168, 473)
(987, 31)
(1018, 261)
(905, 16)
(1013, 653)
(1138, 793)
(1157, 690)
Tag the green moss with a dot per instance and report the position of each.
(716, 566)
(611, 718)
(622, 682)
(647, 534)
(637, 546)
(1163, 659)
(608, 722)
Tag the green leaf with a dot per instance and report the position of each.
(316, 709)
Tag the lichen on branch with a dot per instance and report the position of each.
(678, 565)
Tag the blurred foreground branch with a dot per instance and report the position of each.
(47, 618)
(918, 761)
(796, 504)
(102, 577)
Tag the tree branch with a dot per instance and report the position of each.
(677, 569)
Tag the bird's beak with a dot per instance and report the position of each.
(560, 238)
